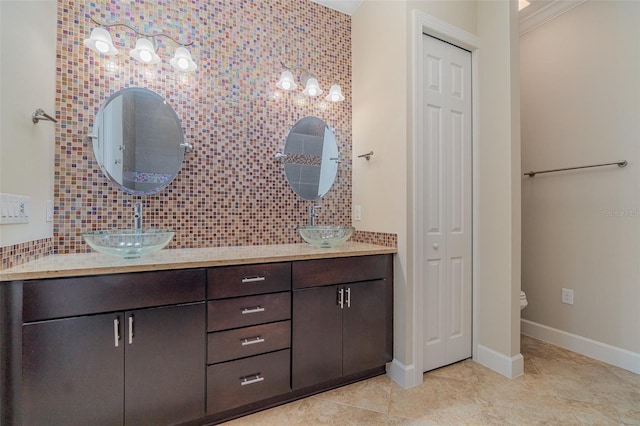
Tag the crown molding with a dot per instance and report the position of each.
(540, 12)
(345, 6)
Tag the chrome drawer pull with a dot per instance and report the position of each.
(252, 341)
(253, 279)
(131, 329)
(252, 310)
(116, 331)
(251, 379)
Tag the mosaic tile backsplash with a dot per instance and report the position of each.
(17, 254)
(230, 190)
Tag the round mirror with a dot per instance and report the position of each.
(137, 139)
(311, 158)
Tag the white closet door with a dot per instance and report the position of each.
(446, 203)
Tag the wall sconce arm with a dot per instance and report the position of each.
(140, 33)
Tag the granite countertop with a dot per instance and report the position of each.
(68, 265)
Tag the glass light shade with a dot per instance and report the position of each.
(100, 41)
(182, 60)
(145, 52)
(335, 94)
(286, 81)
(312, 88)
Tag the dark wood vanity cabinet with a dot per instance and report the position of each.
(190, 346)
(72, 373)
(249, 340)
(342, 318)
(136, 367)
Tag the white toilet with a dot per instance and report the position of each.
(523, 300)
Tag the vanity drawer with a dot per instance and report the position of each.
(65, 297)
(342, 270)
(236, 383)
(250, 310)
(234, 281)
(248, 341)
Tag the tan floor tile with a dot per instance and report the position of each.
(558, 387)
(373, 394)
(587, 382)
(434, 394)
(280, 415)
(316, 411)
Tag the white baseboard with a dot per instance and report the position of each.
(601, 351)
(510, 367)
(404, 375)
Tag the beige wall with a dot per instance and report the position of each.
(498, 179)
(27, 82)
(382, 75)
(379, 125)
(460, 13)
(581, 230)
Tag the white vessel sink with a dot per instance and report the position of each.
(128, 243)
(325, 236)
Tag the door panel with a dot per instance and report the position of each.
(433, 330)
(446, 208)
(316, 336)
(364, 327)
(165, 365)
(73, 372)
(434, 194)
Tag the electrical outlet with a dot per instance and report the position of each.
(567, 296)
(49, 212)
(357, 212)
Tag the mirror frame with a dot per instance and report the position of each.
(162, 178)
(307, 164)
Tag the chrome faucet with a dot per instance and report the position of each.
(137, 217)
(313, 214)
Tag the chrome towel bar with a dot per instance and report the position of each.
(618, 163)
(366, 156)
(39, 114)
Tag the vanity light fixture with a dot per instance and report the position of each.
(286, 81)
(311, 87)
(100, 41)
(145, 51)
(182, 60)
(335, 94)
(310, 83)
(146, 47)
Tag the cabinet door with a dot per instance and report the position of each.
(165, 365)
(365, 327)
(73, 372)
(316, 336)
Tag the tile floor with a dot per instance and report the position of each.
(559, 387)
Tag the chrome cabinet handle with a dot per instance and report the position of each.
(348, 297)
(251, 379)
(116, 331)
(253, 279)
(252, 341)
(341, 298)
(252, 310)
(130, 329)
